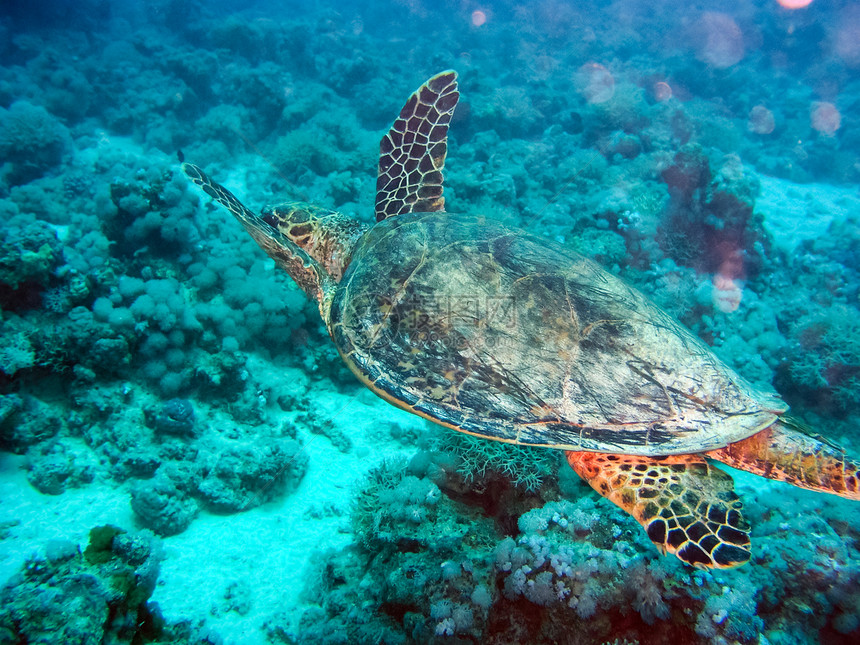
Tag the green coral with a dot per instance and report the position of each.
(827, 353)
(392, 506)
(99, 550)
(607, 247)
(19, 265)
(16, 354)
(479, 458)
(99, 596)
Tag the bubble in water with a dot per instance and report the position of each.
(722, 42)
(847, 39)
(761, 120)
(794, 4)
(825, 117)
(595, 82)
(662, 91)
(727, 293)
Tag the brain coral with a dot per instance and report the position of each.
(32, 140)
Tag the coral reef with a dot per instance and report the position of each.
(149, 349)
(573, 571)
(84, 597)
(479, 461)
(32, 141)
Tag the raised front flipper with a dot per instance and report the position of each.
(686, 506)
(221, 195)
(303, 268)
(412, 154)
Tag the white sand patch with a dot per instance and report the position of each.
(39, 518)
(272, 548)
(796, 212)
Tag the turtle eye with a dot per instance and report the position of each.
(270, 219)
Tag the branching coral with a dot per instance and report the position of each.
(480, 459)
(826, 354)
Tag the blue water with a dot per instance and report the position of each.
(184, 457)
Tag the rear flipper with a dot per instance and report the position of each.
(787, 452)
(686, 506)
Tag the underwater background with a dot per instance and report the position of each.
(185, 458)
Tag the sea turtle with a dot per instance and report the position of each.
(502, 334)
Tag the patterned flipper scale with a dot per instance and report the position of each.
(295, 260)
(221, 195)
(687, 506)
(412, 153)
(787, 452)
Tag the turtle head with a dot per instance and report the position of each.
(312, 244)
(328, 237)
